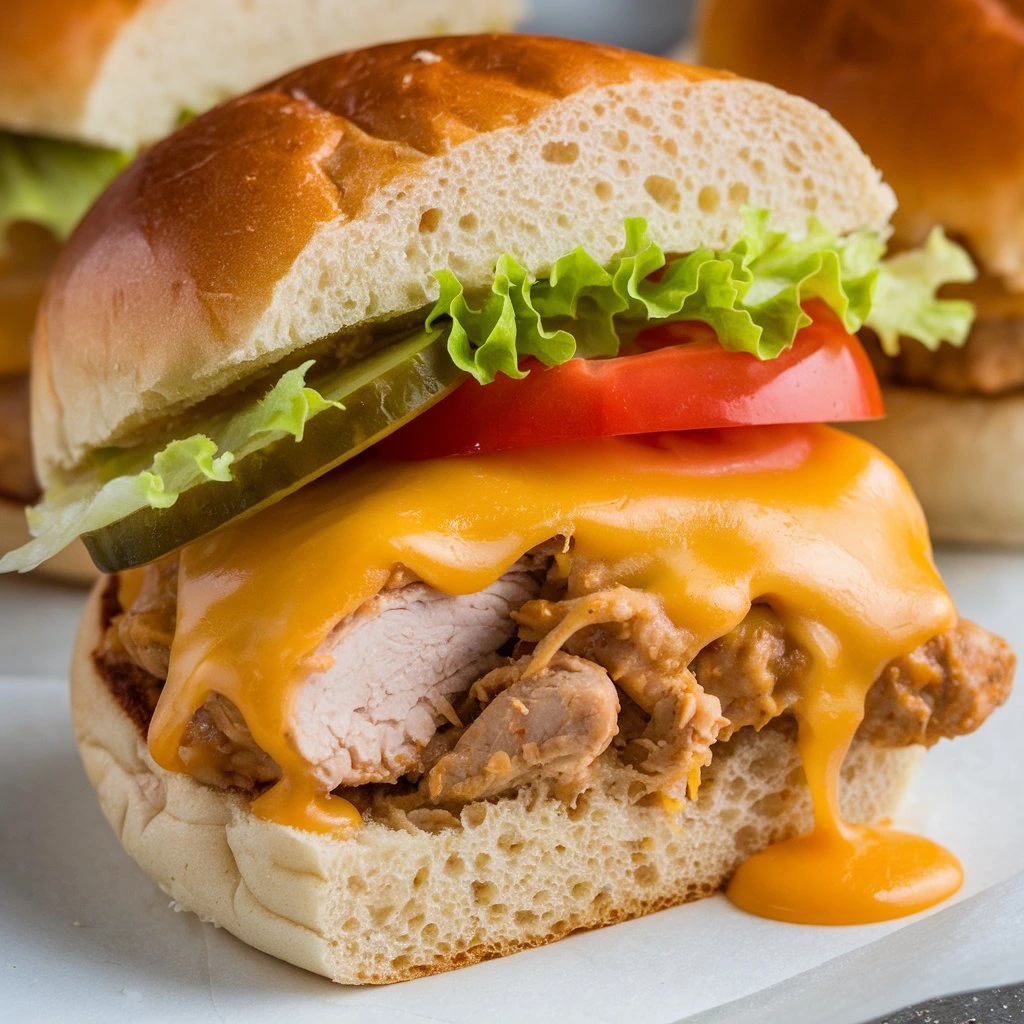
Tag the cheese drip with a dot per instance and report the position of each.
(812, 521)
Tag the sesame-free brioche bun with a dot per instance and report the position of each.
(393, 901)
(121, 73)
(324, 201)
(935, 95)
(934, 92)
(72, 565)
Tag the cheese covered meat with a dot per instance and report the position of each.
(429, 665)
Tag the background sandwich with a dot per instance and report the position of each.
(85, 84)
(480, 567)
(933, 93)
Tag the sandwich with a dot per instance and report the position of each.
(448, 420)
(86, 84)
(933, 93)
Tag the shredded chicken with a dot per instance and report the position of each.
(755, 670)
(553, 723)
(218, 748)
(945, 688)
(419, 701)
(628, 633)
(146, 629)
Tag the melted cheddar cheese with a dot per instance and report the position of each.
(812, 521)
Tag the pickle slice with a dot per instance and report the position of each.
(379, 394)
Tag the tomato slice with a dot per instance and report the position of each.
(677, 378)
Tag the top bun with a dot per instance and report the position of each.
(120, 73)
(326, 199)
(933, 91)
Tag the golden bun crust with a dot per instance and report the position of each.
(934, 92)
(325, 200)
(397, 902)
(50, 51)
(962, 455)
(72, 565)
(120, 73)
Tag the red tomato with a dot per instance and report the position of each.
(680, 379)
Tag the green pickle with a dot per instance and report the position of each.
(378, 394)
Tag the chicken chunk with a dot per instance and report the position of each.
(553, 724)
(396, 665)
(945, 688)
(627, 633)
(755, 670)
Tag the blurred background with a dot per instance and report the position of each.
(652, 25)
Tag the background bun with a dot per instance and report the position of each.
(327, 198)
(962, 455)
(397, 902)
(119, 73)
(934, 92)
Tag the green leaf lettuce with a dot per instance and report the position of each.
(905, 304)
(119, 489)
(50, 182)
(752, 294)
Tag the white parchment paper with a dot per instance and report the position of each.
(84, 936)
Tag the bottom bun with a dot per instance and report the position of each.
(393, 903)
(963, 456)
(72, 565)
